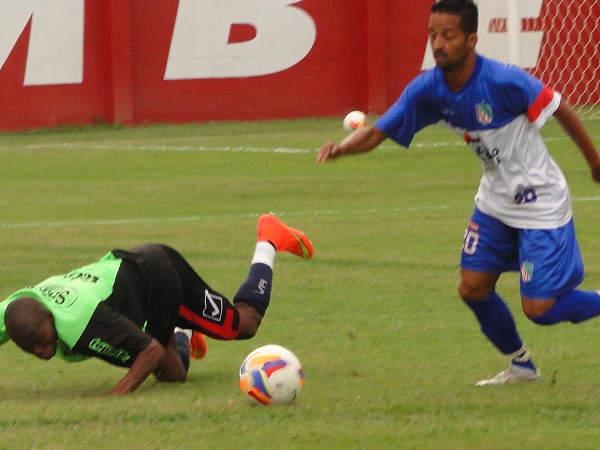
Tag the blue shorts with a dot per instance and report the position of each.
(549, 260)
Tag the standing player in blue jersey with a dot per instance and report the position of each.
(523, 217)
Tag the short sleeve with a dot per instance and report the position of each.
(112, 337)
(413, 111)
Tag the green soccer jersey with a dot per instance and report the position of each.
(72, 298)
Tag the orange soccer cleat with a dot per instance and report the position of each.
(198, 347)
(284, 238)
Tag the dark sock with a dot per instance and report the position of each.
(256, 290)
(575, 306)
(182, 343)
(498, 325)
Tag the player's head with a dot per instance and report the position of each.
(465, 9)
(31, 326)
(453, 32)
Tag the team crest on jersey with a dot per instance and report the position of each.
(526, 271)
(484, 113)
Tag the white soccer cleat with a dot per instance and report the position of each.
(514, 374)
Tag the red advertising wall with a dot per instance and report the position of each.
(350, 66)
(361, 56)
(47, 106)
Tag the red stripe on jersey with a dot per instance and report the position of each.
(224, 331)
(544, 99)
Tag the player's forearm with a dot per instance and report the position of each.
(142, 367)
(362, 140)
(573, 126)
(359, 141)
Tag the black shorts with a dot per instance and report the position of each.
(147, 290)
(158, 288)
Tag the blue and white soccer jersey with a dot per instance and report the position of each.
(498, 113)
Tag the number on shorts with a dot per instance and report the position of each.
(470, 242)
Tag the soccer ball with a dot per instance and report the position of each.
(271, 375)
(354, 120)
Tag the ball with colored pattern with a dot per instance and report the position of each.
(271, 375)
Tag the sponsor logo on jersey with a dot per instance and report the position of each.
(484, 113)
(102, 348)
(82, 276)
(60, 296)
(526, 271)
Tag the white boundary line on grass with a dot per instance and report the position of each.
(124, 145)
(116, 145)
(166, 220)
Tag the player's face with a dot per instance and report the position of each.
(450, 46)
(44, 342)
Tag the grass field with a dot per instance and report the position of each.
(389, 352)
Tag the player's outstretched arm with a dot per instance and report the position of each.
(359, 141)
(145, 363)
(571, 123)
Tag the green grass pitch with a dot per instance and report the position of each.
(389, 352)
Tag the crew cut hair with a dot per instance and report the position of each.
(466, 9)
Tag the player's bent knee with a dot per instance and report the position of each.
(170, 368)
(463, 292)
(469, 293)
(248, 329)
(537, 310)
(476, 286)
(250, 321)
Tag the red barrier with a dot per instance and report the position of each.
(138, 61)
(127, 45)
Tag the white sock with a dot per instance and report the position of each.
(185, 331)
(264, 253)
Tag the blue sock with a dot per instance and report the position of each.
(498, 325)
(575, 306)
(256, 290)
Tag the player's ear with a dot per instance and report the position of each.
(472, 40)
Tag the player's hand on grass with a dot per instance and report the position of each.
(328, 151)
(145, 363)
